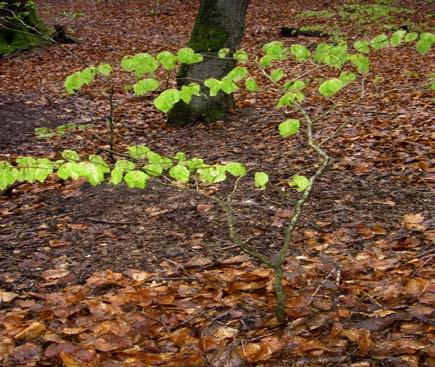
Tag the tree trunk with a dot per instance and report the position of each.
(219, 24)
(20, 26)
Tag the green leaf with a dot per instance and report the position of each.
(136, 179)
(266, 61)
(276, 75)
(145, 85)
(153, 170)
(289, 127)
(423, 46)
(294, 86)
(347, 77)
(155, 158)
(180, 156)
(214, 85)
(8, 175)
(167, 99)
(238, 73)
(180, 173)
(397, 37)
(188, 56)
(213, 174)
(411, 37)
(251, 84)
(194, 164)
(70, 155)
(94, 173)
(361, 46)
(275, 50)
(301, 53)
(379, 42)
(288, 98)
(44, 168)
(167, 60)
(427, 36)
(261, 179)
(187, 91)
(223, 52)
(361, 62)
(138, 151)
(116, 176)
(140, 64)
(301, 183)
(98, 160)
(241, 56)
(104, 69)
(43, 132)
(126, 165)
(330, 87)
(228, 86)
(69, 170)
(236, 169)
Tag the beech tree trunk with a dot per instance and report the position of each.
(219, 24)
(20, 26)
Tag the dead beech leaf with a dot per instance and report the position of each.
(235, 260)
(225, 332)
(415, 287)
(180, 337)
(255, 352)
(204, 208)
(34, 330)
(69, 360)
(364, 341)
(7, 346)
(208, 343)
(53, 274)
(198, 261)
(413, 222)
(7, 296)
(27, 352)
(110, 342)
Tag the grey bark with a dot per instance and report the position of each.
(219, 24)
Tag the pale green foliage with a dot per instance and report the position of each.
(188, 56)
(300, 183)
(276, 75)
(330, 87)
(301, 53)
(187, 91)
(140, 64)
(251, 84)
(261, 179)
(166, 100)
(180, 173)
(379, 42)
(361, 46)
(397, 37)
(289, 127)
(241, 56)
(347, 77)
(167, 59)
(223, 52)
(236, 169)
(145, 85)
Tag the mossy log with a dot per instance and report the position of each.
(219, 24)
(20, 26)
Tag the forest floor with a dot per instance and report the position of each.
(110, 276)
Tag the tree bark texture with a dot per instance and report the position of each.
(219, 24)
(20, 26)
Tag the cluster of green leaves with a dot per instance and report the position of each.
(61, 130)
(144, 164)
(77, 80)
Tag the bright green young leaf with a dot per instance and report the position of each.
(180, 173)
(145, 85)
(236, 169)
(397, 37)
(361, 63)
(223, 52)
(228, 86)
(295, 86)
(157, 159)
(301, 183)
(8, 175)
(70, 155)
(266, 61)
(251, 84)
(138, 151)
(27, 167)
(187, 91)
(330, 87)
(194, 163)
(241, 56)
(136, 179)
(166, 100)
(361, 46)
(427, 36)
(126, 165)
(140, 64)
(347, 77)
(214, 85)
(213, 174)
(104, 69)
(237, 74)
(261, 179)
(180, 156)
(289, 127)
(167, 60)
(69, 170)
(44, 132)
(423, 46)
(379, 42)
(98, 160)
(289, 98)
(276, 75)
(275, 50)
(411, 37)
(44, 168)
(301, 53)
(153, 170)
(94, 173)
(188, 56)
(116, 176)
